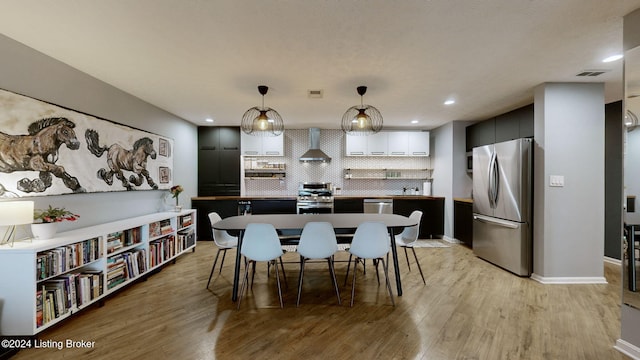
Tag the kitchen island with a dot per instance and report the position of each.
(432, 207)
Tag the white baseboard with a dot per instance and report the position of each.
(568, 280)
(451, 240)
(613, 261)
(627, 349)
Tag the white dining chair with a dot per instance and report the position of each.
(408, 238)
(223, 241)
(371, 241)
(260, 243)
(317, 241)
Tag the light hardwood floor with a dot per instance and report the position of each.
(469, 309)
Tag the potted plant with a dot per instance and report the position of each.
(46, 221)
(175, 192)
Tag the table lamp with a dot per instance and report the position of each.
(12, 214)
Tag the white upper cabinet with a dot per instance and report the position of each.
(377, 144)
(398, 143)
(389, 143)
(418, 143)
(261, 145)
(356, 145)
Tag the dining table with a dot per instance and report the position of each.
(292, 223)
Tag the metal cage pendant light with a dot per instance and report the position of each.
(362, 119)
(261, 120)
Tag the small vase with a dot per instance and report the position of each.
(178, 208)
(44, 231)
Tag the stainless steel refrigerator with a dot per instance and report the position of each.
(502, 214)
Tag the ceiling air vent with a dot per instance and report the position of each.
(315, 94)
(592, 72)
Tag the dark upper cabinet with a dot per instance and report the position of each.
(508, 126)
(482, 133)
(218, 161)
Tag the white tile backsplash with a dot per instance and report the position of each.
(332, 142)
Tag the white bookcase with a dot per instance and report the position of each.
(44, 282)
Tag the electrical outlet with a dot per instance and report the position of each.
(556, 180)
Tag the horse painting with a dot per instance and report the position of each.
(38, 151)
(119, 158)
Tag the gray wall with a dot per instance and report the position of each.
(31, 73)
(568, 221)
(450, 163)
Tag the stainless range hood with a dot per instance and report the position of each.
(314, 153)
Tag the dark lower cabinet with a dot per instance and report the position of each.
(270, 206)
(463, 222)
(432, 223)
(224, 208)
(348, 205)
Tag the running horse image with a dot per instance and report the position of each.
(119, 159)
(38, 151)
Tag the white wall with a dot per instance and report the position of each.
(568, 221)
(31, 73)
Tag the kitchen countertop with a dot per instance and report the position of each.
(294, 197)
(468, 200)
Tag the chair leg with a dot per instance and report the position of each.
(348, 266)
(284, 275)
(213, 267)
(332, 271)
(224, 253)
(386, 275)
(302, 262)
(275, 265)
(407, 257)
(245, 278)
(418, 263)
(353, 283)
(375, 263)
(253, 272)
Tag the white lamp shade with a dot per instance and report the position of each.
(16, 212)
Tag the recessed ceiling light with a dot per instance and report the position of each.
(613, 58)
(209, 120)
(449, 102)
(414, 121)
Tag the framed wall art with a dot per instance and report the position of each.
(46, 149)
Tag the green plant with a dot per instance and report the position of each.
(54, 214)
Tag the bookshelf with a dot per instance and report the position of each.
(47, 281)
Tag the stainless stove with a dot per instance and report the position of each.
(315, 198)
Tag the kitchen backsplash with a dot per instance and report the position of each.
(332, 142)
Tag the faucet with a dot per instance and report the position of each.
(404, 191)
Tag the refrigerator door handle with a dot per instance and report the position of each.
(492, 179)
(494, 221)
(496, 180)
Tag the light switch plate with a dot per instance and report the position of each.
(556, 180)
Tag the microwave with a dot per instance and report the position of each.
(470, 162)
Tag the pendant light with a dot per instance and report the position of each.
(261, 120)
(362, 119)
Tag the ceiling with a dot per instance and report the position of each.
(203, 59)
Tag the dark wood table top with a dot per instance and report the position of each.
(297, 221)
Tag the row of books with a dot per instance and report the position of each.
(163, 249)
(64, 258)
(125, 266)
(186, 220)
(118, 240)
(160, 228)
(186, 238)
(58, 296)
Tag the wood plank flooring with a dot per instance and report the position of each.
(469, 309)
